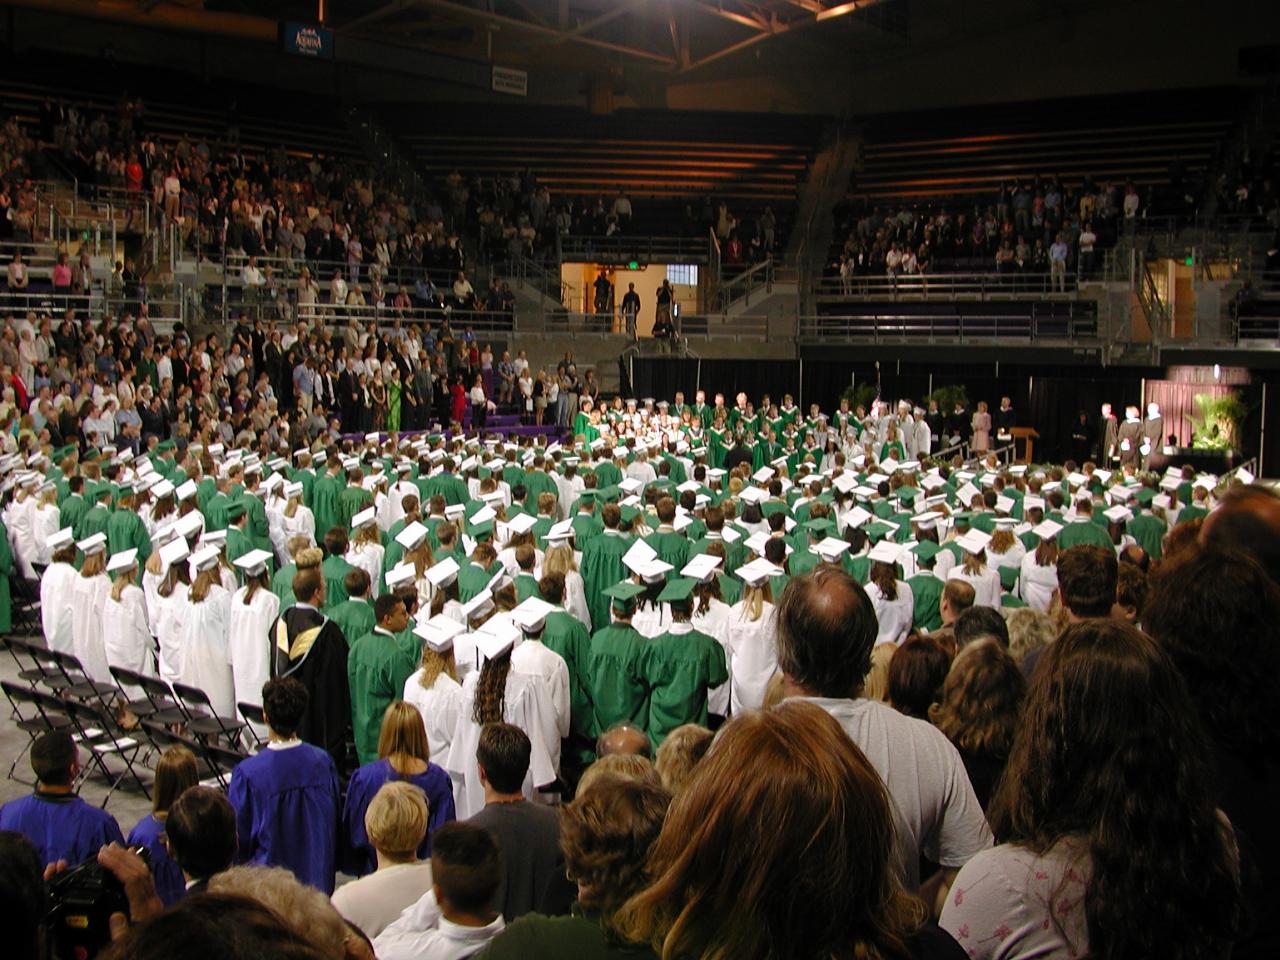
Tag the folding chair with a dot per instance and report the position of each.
(165, 709)
(253, 715)
(80, 685)
(41, 667)
(24, 598)
(222, 760)
(33, 722)
(162, 737)
(205, 721)
(99, 735)
(141, 706)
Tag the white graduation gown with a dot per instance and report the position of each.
(45, 523)
(534, 659)
(87, 596)
(22, 536)
(249, 643)
(1036, 584)
(652, 621)
(204, 660)
(714, 622)
(986, 585)
(368, 557)
(169, 625)
(524, 705)
(894, 616)
(440, 707)
(1010, 558)
(126, 636)
(301, 524)
(575, 593)
(753, 657)
(56, 586)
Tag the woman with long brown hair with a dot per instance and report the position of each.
(978, 711)
(1110, 843)
(781, 847)
(498, 694)
(891, 597)
(403, 754)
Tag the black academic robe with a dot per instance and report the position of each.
(311, 648)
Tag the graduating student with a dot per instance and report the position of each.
(618, 692)
(497, 694)
(568, 637)
(1038, 578)
(58, 823)
(56, 584)
(310, 648)
(892, 598)
(365, 550)
(974, 571)
(88, 594)
(753, 655)
(354, 615)
(126, 637)
(680, 666)
(602, 565)
(403, 757)
(535, 659)
(286, 797)
(252, 610)
(434, 688)
(204, 658)
(377, 667)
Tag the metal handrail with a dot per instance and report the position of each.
(977, 327)
(625, 248)
(749, 280)
(943, 285)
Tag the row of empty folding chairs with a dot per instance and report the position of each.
(55, 693)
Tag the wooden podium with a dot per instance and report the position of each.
(1028, 434)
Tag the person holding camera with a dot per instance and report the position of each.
(62, 827)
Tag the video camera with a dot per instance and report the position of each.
(81, 902)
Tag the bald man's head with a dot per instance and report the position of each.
(826, 629)
(1248, 520)
(623, 738)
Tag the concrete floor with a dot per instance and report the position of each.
(127, 804)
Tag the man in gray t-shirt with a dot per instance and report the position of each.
(826, 627)
(528, 835)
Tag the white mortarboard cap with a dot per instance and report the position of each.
(1005, 504)
(455, 510)
(478, 604)
(206, 558)
(189, 525)
(631, 485)
(443, 573)
(1006, 523)
(94, 544)
(638, 554)
(1047, 530)
(1032, 503)
(830, 548)
(175, 551)
(122, 560)
(857, 517)
(292, 490)
(364, 518)
(682, 522)
(701, 567)
(531, 614)
(966, 494)
(926, 521)
(254, 562)
(399, 575)
(483, 515)
(730, 535)
(1102, 476)
(214, 537)
(162, 488)
(412, 535)
(496, 637)
(186, 490)
(1163, 501)
(975, 541)
(60, 538)
(438, 632)
(885, 552)
(1117, 514)
(1077, 479)
(757, 572)
(560, 532)
(521, 523)
(763, 475)
(1170, 482)
(889, 465)
(753, 495)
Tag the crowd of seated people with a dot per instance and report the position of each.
(1043, 227)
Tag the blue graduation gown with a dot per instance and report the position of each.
(286, 803)
(170, 884)
(361, 858)
(61, 826)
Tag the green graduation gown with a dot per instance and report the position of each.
(679, 667)
(618, 690)
(354, 617)
(926, 591)
(601, 569)
(568, 636)
(377, 667)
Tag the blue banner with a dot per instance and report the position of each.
(306, 40)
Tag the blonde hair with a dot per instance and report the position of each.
(396, 820)
(1001, 541)
(434, 664)
(94, 564)
(403, 737)
(558, 559)
(679, 755)
(754, 599)
(122, 581)
(204, 582)
(1029, 629)
(305, 910)
(628, 766)
(308, 558)
(975, 563)
(291, 508)
(366, 534)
